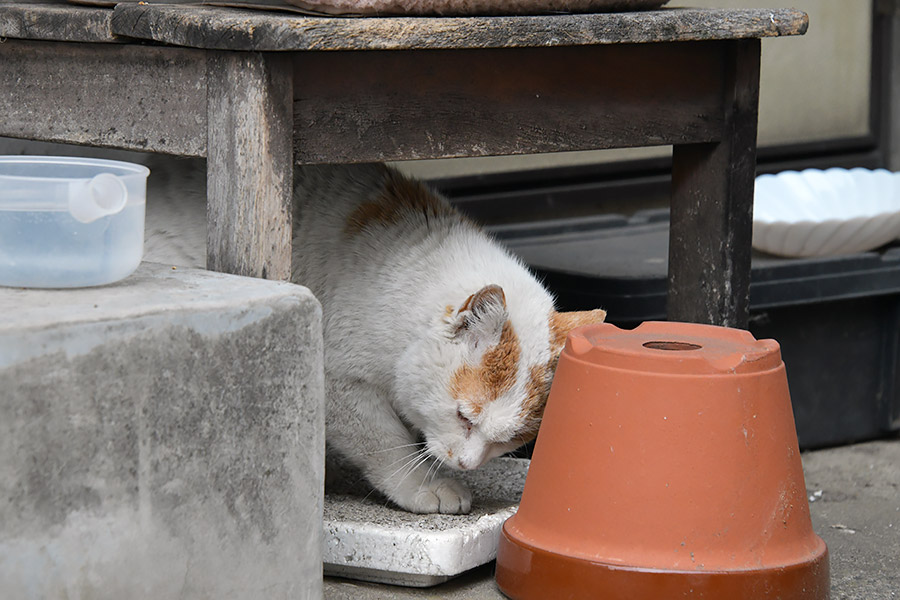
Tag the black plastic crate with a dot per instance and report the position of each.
(837, 319)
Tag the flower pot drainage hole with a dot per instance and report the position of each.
(677, 346)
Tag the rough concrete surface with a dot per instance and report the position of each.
(161, 438)
(856, 511)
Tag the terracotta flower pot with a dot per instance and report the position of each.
(666, 466)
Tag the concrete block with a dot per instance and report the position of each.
(161, 438)
(369, 540)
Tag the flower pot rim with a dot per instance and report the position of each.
(673, 348)
(526, 572)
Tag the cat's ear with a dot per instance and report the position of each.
(480, 319)
(561, 323)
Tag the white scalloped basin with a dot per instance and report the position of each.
(825, 213)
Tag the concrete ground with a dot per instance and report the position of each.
(855, 508)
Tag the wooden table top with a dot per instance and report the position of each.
(222, 28)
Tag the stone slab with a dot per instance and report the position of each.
(161, 438)
(368, 539)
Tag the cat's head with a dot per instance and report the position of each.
(479, 383)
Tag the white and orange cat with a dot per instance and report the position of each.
(439, 345)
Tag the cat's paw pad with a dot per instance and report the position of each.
(447, 496)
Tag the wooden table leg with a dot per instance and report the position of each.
(712, 206)
(249, 164)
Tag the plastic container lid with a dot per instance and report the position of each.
(88, 188)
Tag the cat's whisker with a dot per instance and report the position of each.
(437, 467)
(373, 452)
(422, 460)
(408, 460)
(392, 448)
(405, 457)
(428, 472)
(414, 460)
(372, 491)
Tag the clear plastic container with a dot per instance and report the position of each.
(70, 222)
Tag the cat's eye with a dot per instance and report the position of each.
(465, 421)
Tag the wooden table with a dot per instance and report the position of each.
(255, 91)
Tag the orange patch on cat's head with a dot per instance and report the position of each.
(561, 323)
(369, 214)
(405, 193)
(399, 197)
(536, 391)
(540, 376)
(477, 385)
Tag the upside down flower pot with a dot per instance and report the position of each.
(667, 466)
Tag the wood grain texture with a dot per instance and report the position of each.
(250, 165)
(712, 207)
(376, 106)
(457, 8)
(235, 29)
(115, 95)
(57, 22)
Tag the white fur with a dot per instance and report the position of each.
(389, 350)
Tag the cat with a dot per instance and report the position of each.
(440, 346)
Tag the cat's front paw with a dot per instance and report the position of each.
(447, 496)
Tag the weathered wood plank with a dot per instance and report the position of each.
(121, 96)
(234, 29)
(57, 22)
(250, 164)
(712, 207)
(374, 106)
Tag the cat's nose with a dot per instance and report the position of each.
(466, 464)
